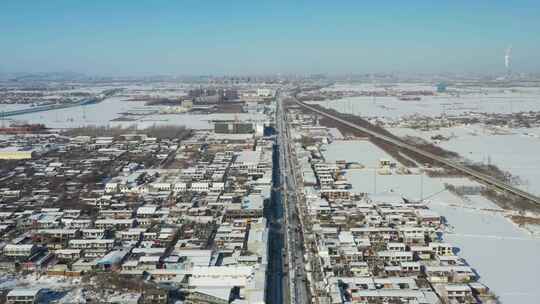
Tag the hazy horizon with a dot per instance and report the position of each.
(143, 38)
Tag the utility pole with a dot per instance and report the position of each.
(421, 186)
(511, 106)
(375, 180)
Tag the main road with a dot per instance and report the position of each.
(293, 233)
(275, 275)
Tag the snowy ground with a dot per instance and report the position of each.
(10, 281)
(192, 121)
(102, 113)
(488, 100)
(94, 114)
(12, 107)
(358, 87)
(515, 152)
(349, 150)
(512, 150)
(505, 256)
(58, 289)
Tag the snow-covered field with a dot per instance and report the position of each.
(505, 256)
(12, 107)
(349, 150)
(512, 150)
(60, 290)
(192, 121)
(515, 152)
(93, 114)
(56, 283)
(102, 114)
(487, 100)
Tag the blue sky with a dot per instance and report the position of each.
(115, 37)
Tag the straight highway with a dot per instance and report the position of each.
(293, 233)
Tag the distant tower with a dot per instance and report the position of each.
(507, 60)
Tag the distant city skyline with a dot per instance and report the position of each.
(140, 38)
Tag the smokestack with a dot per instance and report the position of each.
(507, 58)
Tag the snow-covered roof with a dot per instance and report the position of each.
(24, 292)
